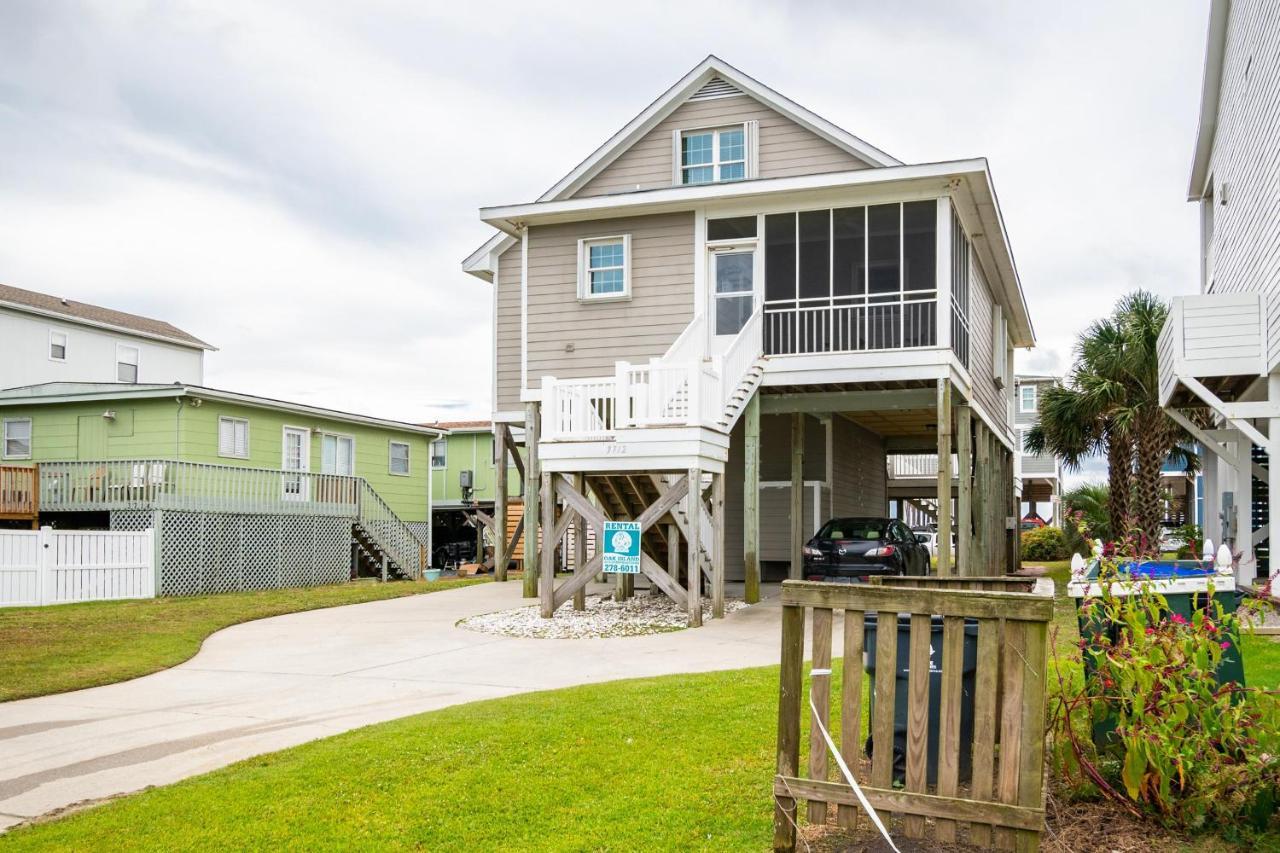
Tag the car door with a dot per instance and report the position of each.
(910, 547)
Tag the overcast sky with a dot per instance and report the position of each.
(298, 185)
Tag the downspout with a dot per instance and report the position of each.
(177, 431)
(431, 509)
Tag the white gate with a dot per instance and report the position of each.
(48, 566)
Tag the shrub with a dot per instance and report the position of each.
(1175, 744)
(1044, 543)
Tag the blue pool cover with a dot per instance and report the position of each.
(1162, 569)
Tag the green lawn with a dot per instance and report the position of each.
(70, 646)
(681, 762)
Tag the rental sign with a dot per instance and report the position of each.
(622, 547)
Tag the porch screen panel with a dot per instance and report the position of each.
(849, 278)
(919, 273)
(780, 281)
(884, 276)
(959, 291)
(813, 319)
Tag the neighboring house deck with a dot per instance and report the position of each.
(247, 491)
(735, 293)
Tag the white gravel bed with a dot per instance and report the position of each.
(604, 617)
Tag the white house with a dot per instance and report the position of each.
(47, 338)
(1220, 350)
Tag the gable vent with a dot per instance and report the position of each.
(715, 88)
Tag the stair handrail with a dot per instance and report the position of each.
(744, 351)
(396, 538)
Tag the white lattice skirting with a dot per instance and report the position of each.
(203, 552)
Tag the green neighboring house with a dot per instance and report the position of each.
(468, 446)
(248, 491)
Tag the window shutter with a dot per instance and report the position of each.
(675, 158)
(241, 431)
(752, 134)
(226, 442)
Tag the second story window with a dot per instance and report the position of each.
(1026, 398)
(126, 363)
(603, 268)
(711, 156)
(439, 458)
(17, 438)
(57, 346)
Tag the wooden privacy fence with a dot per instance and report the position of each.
(989, 722)
(48, 566)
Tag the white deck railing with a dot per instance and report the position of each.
(910, 466)
(685, 387)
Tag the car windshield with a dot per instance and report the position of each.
(853, 528)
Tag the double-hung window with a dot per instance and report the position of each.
(398, 461)
(126, 363)
(604, 268)
(57, 346)
(17, 438)
(711, 156)
(1026, 398)
(439, 457)
(233, 437)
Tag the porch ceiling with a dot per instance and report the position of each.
(1227, 388)
(892, 408)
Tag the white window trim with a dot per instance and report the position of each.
(66, 344)
(4, 438)
(750, 153)
(233, 420)
(408, 459)
(137, 362)
(584, 280)
(431, 452)
(1035, 399)
(325, 433)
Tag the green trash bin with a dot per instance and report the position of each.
(936, 663)
(1185, 587)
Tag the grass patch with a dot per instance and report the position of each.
(72, 646)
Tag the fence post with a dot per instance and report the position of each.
(157, 549)
(149, 551)
(789, 685)
(44, 575)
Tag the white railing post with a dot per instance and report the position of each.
(551, 405)
(149, 553)
(623, 414)
(44, 559)
(695, 393)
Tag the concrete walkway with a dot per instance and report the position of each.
(266, 685)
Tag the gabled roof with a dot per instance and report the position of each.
(462, 426)
(479, 262)
(31, 302)
(1210, 90)
(83, 392)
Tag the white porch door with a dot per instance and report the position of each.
(732, 274)
(295, 461)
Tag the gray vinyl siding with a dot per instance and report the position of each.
(507, 328)
(1246, 158)
(858, 480)
(993, 399)
(644, 327)
(786, 148)
(1032, 465)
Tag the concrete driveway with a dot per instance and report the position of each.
(278, 682)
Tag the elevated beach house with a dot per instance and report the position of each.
(724, 320)
(246, 492)
(1220, 349)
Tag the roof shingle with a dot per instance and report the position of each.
(72, 310)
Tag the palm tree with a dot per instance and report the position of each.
(1111, 405)
(1092, 501)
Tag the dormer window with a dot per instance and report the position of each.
(713, 155)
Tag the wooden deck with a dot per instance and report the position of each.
(20, 494)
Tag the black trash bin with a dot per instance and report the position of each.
(936, 663)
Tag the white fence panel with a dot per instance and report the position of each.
(50, 566)
(20, 568)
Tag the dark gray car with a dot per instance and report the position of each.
(857, 548)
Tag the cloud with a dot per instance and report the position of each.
(297, 182)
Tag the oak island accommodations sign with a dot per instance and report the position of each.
(622, 547)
